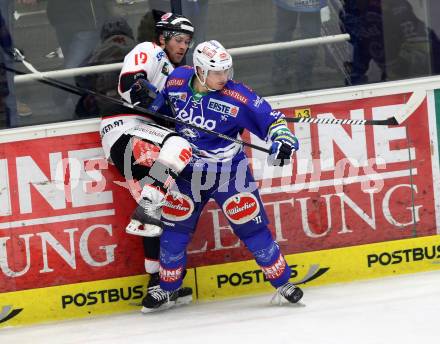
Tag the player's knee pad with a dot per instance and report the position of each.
(268, 256)
(176, 152)
(172, 259)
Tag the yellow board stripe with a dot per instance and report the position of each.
(324, 267)
(77, 300)
(223, 280)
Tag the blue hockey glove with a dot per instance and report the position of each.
(284, 144)
(142, 93)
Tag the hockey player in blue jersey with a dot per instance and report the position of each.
(207, 97)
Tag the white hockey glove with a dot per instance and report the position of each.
(284, 144)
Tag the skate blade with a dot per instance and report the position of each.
(165, 306)
(133, 230)
(184, 300)
(181, 301)
(278, 300)
(298, 304)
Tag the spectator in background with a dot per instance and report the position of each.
(77, 25)
(362, 20)
(117, 40)
(389, 34)
(146, 31)
(409, 42)
(304, 15)
(197, 12)
(433, 9)
(9, 107)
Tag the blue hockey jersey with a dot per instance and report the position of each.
(228, 111)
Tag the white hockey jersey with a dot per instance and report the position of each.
(148, 61)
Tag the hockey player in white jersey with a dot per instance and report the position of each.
(147, 154)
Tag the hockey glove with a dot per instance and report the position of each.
(284, 144)
(143, 93)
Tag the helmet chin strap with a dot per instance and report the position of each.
(203, 83)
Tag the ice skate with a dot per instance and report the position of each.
(288, 291)
(145, 221)
(156, 299)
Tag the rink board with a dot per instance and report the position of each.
(222, 281)
(324, 267)
(72, 301)
(64, 252)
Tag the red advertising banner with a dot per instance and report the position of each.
(63, 209)
(63, 213)
(350, 185)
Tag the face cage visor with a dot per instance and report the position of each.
(205, 73)
(229, 72)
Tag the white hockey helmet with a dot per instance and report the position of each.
(211, 55)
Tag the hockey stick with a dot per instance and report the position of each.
(83, 91)
(401, 115)
(336, 121)
(411, 105)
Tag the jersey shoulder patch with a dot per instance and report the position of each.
(240, 93)
(236, 91)
(179, 77)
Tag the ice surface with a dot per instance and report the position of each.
(401, 309)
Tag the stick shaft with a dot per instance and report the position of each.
(337, 121)
(83, 91)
